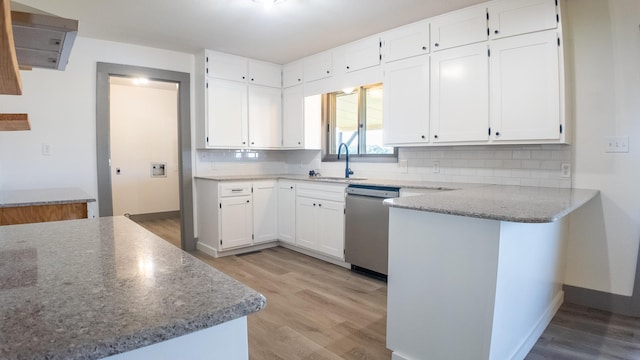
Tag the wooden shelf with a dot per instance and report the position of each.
(10, 83)
(14, 122)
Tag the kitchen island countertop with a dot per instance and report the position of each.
(97, 287)
(35, 197)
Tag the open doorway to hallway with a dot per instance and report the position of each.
(144, 149)
(138, 196)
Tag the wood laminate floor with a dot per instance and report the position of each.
(317, 310)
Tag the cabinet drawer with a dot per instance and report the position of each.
(235, 189)
(321, 191)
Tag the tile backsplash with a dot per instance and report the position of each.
(528, 165)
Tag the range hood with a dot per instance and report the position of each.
(30, 40)
(42, 40)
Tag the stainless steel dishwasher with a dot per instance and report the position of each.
(367, 228)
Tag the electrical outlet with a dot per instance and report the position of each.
(46, 149)
(565, 170)
(404, 166)
(616, 144)
(436, 167)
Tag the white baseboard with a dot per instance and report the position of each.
(538, 329)
(215, 253)
(316, 255)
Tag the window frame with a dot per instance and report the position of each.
(328, 124)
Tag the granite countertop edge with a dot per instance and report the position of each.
(553, 204)
(37, 197)
(33, 275)
(150, 336)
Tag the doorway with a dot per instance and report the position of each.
(105, 72)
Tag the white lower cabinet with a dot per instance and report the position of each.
(233, 215)
(287, 211)
(320, 219)
(265, 211)
(244, 216)
(235, 221)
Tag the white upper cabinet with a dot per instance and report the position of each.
(462, 27)
(293, 117)
(515, 17)
(318, 66)
(265, 121)
(264, 73)
(460, 94)
(362, 54)
(525, 88)
(406, 41)
(226, 66)
(406, 102)
(292, 74)
(226, 113)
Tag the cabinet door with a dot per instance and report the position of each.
(462, 27)
(525, 88)
(331, 230)
(226, 66)
(514, 17)
(287, 212)
(362, 54)
(265, 121)
(406, 41)
(293, 117)
(226, 113)
(406, 102)
(306, 222)
(460, 94)
(235, 222)
(265, 211)
(318, 66)
(265, 73)
(292, 74)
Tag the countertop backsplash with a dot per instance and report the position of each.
(526, 165)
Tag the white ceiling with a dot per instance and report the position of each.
(289, 31)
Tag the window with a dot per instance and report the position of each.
(354, 117)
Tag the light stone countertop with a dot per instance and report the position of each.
(17, 198)
(497, 202)
(86, 289)
(353, 180)
(522, 204)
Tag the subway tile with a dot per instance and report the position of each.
(521, 154)
(512, 164)
(503, 154)
(531, 164)
(551, 165)
(541, 155)
(493, 164)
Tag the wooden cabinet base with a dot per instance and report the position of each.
(42, 213)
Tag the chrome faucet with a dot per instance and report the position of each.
(347, 170)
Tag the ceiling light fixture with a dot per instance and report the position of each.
(268, 4)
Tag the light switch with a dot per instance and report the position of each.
(616, 144)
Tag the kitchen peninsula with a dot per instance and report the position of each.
(476, 273)
(106, 287)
